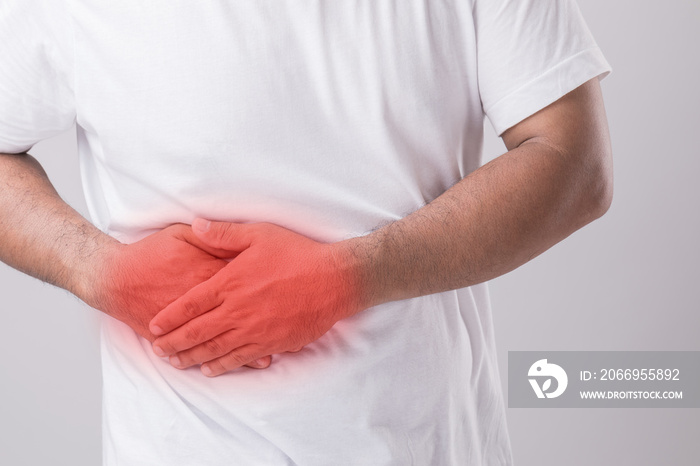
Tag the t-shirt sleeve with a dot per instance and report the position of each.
(36, 95)
(530, 54)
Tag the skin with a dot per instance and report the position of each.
(282, 290)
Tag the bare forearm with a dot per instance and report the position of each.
(40, 234)
(488, 224)
(556, 177)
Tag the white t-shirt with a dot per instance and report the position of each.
(328, 118)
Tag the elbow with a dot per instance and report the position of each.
(605, 197)
(598, 186)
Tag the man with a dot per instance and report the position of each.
(326, 155)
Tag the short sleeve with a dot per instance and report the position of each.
(36, 95)
(530, 54)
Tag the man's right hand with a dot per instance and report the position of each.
(135, 281)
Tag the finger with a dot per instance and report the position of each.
(232, 237)
(178, 230)
(233, 360)
(211, 349)
(207, 329)
(183, 232)
(199, 300)
(295, 350)
(187, 234)
(262, 363)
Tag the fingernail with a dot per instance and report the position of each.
(159, 351)
(201, 224)
(175, 361)
(155, 330)
(206, 370)
(261, 363)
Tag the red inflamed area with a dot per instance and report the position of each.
(223, 295)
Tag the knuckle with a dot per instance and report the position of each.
(235, 360)
(220, 232)
(166, 346)
(211, 297)
(190, 309)
(193, 334)
(213, 347)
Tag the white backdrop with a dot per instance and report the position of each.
(626, 282)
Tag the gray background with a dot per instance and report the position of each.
(626, 282)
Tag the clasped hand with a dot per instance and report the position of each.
(233, 294)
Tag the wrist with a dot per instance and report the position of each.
(93, 273)
(358, 259)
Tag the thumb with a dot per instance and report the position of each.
(226, 236)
